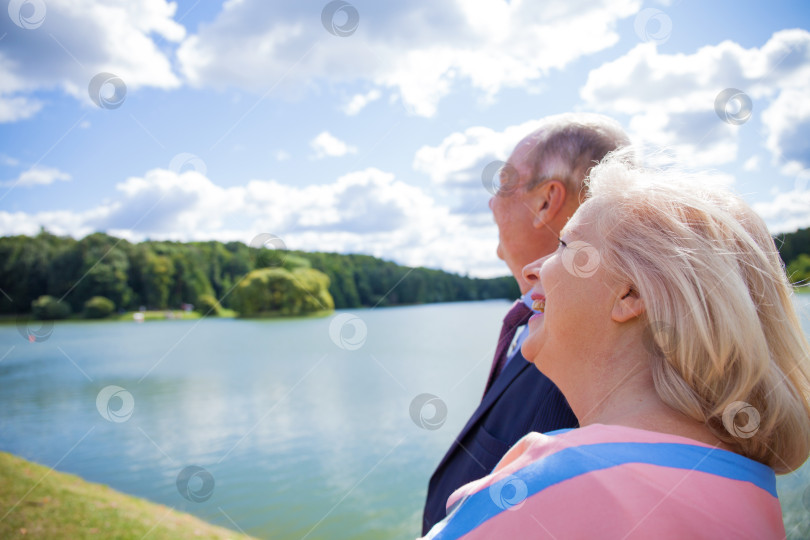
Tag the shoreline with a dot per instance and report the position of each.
(158, 315)
(180, 315)
(44, 502)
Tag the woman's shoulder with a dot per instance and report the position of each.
(599, 446)
(623, 480)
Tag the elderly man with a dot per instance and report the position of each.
(541, 187)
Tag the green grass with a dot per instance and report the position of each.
(36, 502)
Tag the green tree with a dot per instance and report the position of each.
(791, 245)
(315, 287)
(49, 308)
(25, 264)
(98, 307)
(208, 306)
(166, 274)
(105, 268)
(277, 290)
(799, 270)
(158, 276)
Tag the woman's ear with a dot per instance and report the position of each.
(628, 305)
(547, 200)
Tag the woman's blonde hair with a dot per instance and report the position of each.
(725, 341)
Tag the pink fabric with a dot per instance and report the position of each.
(629, 500)
(535, 446)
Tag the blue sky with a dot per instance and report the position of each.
(254, 116)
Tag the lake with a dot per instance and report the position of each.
(308, 428)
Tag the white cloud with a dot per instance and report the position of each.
(787, 212)
(38, 176)
(366, 211)
(9, 161)
(418, 50)
(788, 122)
(698, 140)
(751, 164)
(359, 101)
(327, 145)
(60, 222)
(79, 39)
(671, 97)
(456, 165)
(461, 156)
(282, 155)
(18, 108)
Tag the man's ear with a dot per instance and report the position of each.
(628, 305)
(547, 201)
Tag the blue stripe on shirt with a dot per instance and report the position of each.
(572, 462)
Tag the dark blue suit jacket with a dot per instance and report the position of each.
(521, 400)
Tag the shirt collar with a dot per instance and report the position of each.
(527, 299)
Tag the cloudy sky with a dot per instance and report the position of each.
(365, 126)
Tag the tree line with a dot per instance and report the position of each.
(101, 273)
(795, 251)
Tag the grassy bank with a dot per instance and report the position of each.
(36, 502)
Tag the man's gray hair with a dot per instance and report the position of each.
(567, 146)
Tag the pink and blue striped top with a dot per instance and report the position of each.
(616, 482)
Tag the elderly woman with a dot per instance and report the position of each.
(666, 320)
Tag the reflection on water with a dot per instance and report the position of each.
(302, 437)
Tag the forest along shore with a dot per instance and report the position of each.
(52, 277)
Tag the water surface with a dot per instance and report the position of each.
(300, 433)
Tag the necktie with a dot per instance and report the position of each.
(516, 317)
